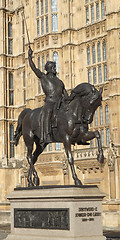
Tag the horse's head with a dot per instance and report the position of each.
(91, 102)
(89, 99)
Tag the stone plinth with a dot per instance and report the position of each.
(56, 213)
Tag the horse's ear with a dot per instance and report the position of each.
(101, 90)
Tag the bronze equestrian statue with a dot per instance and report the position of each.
(68, 119)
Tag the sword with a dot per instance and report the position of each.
(26, 30)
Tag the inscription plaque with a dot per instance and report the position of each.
(42, 218)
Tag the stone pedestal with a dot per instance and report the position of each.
(56, 213)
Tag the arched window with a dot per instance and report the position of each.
(104, 51)
(93, 54)
(55, 59)
(12, 151)
(88, 55)
(11, 89)
(106, 115)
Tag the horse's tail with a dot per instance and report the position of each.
(18, 132)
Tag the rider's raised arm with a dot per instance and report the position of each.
(32, 65)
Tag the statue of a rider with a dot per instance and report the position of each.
(54, 90)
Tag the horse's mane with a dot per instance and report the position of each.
(81, 90)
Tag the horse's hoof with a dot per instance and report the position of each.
(78, 182)
(30, 184)
(36, 181)
(100, 158)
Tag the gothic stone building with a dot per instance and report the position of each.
(83, 38)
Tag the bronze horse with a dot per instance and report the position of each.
(71, 127)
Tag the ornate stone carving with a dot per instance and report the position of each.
(55, 39)
(112, 155)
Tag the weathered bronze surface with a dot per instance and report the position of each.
(42, 218)
(63, 119)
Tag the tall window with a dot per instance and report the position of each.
(104, 51)
(106, 115)
(39, 62)
(54, 5)
(107, 136)
(43, 63)
(99, 71)
(10, 38)
(54, 23)
(46, 6)
(89, 75)
(102, 137)
(88, 55)
(103, 9)
(94, 75)
(38, 27)
(87, 15)
(93, 54)
(99, 74)
(101, 115)
(97, 12)
(11, 89)
(47, 28)
(55, 59)
(37, 8)
(99, 52)
(12, 151)
(97, 9)
(54, 15)
(92, 13)
(96, 118)
(42, 7)
(42, 26)
(105, 72)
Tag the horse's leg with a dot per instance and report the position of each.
(67, 146)
(32, 169)
(39, 149)
(87, 136)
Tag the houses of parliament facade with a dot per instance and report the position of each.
(83, 38)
